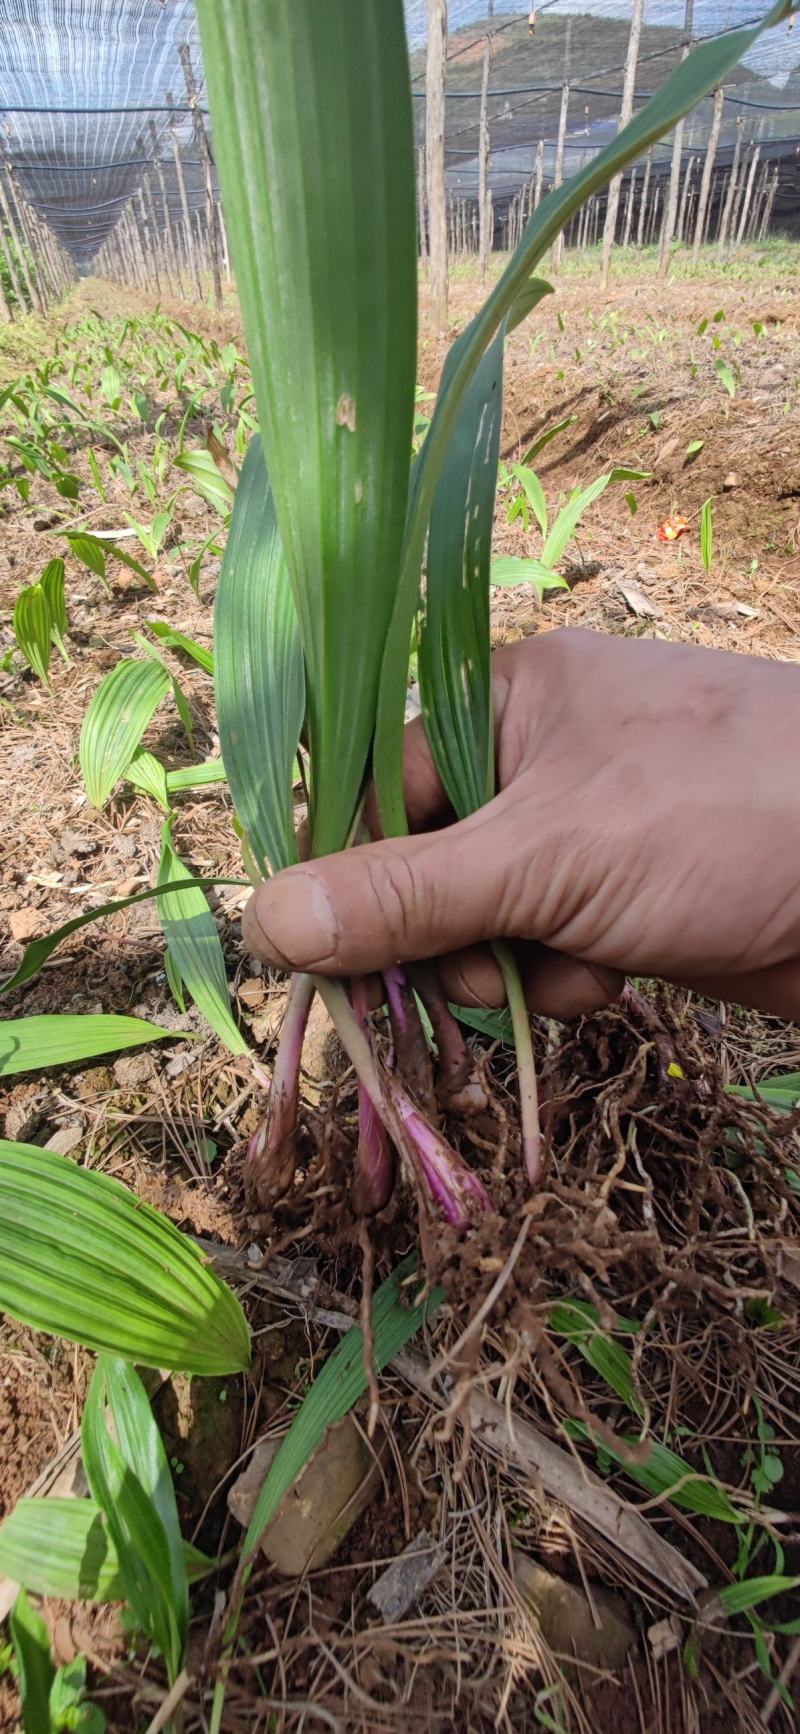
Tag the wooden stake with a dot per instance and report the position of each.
(538, 175)
(435, 73)
(671, 202)
(730, 195)
(648, 169)
(205, 158)
(747, 197)
(687, 181)
(421, 214)
(558, 169)
(705, 181)
(629, 207)
(188, 236)
(626, 110)
(170, 250)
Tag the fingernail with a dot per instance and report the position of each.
(296, 925)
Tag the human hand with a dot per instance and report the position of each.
(647, 822)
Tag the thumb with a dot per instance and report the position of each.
(388, 902)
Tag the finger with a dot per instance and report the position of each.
(425, 800)
(555, 985)
(389, 902)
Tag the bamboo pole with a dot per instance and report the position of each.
(483, 145)
(204, 150)
(21, 273)
(671, 202)
(747, 197)
(558, 168)
(771, 197)
(188, 238)
(626, 110)
(170, 251)
(705, 179)
(421, 202)
(648, 169)
(687, 182)
(730, 195)
(629, 207)
(435, 73)
(538, 175)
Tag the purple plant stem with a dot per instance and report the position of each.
(459, 1085)
(270, 1161)
(443, 1173)
(374, 1176)
(411, 1053)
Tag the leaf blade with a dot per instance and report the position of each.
(82, 1258)
(191, 935)
(115, 721)
(32, 1044)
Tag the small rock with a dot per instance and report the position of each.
(133, 1070)
(66, 1139)
(318, 1511)
(126, 887)
(732, 480)
(567, 1619)
(406, 1579)
(323, 1056)
(664, 1637)
(95, 1081)
(181, 1062)
(75, 843)
(26, 923)
(24, 1114)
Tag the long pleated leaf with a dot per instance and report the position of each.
(313, 137)
(83, 1258)
(61, 1547)
(259, 680)
(700, 72)
(180, 641)
(191, 934)
(38, 951)
(142, 1450)
(135, 1528)
(207, 480)
(31, 624)
(36, 1669)
(395, 1319)
(116, 719)
(454, 642)
(147, 774)
(196, 776)
(31, 1044)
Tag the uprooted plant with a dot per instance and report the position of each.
(322, 586)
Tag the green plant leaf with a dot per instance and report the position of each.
(52, 583)
(508, 569)
(259, 682)
(36, 1669)
(31, 625)
(179, 641)
(534, 493)
(580, 1324)
(90, 552)
(339, 1385)
(701, 71)
(117, 717)
(330, 328)
(31, 1044)
(61, 1547)
(665, 1475)
(569, 517)
(544, 439)
(454, 640)
(143, 1452)
(135, 1526)
(191, 934)
(207, 479)
(147, 773)
(707, 533)
(38, 950)
(494, 1024)
(693, 449)
(739, 1598)
(84, 1258)
(196, 776)
(726, 375)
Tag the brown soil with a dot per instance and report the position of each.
(643, 1210)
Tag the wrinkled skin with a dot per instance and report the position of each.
(647, 823)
